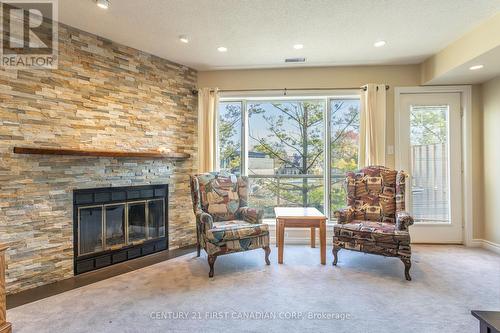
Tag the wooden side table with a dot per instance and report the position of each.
(300, 217)
(5, 327)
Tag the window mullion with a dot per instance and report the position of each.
(327, 162)
(244, 138)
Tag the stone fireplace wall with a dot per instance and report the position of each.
(103, 96)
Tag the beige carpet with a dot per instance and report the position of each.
(364, 293)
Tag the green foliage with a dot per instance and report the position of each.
(295, 139)
(343, 149)
(229, 139)
(428, 125)
(301, 147)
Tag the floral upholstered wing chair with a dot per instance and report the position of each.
(375, 220)
(224, 222)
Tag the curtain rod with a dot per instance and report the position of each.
(195, 91)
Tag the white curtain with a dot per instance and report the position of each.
(372, 125)
(208, 100)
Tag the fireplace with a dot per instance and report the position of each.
(116, 224)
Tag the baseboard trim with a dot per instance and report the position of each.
(476, 243)
(486, 244)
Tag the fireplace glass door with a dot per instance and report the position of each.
(137, 222)
(115, 226)
(90, 230)
(156, 219)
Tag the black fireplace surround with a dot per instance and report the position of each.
(115, 224)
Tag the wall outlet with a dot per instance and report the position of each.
(390, 150)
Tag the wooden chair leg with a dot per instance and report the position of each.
(267, 250)
(198, 245)
(407, 262)
(335, 250)
(211, 262)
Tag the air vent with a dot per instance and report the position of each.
(295, 60)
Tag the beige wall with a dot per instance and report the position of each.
(477, 163)
(318, 77)
(491, 139)
(476, 42)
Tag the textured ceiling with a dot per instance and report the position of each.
(261, 33)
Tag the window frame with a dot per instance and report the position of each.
(253, 96)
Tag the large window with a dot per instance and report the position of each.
(287, 141)
(229, 136)
(344, 144)
(285, 153)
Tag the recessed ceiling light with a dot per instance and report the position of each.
(379, 43)
(475, 67)
(184, 39)
(295, 60)
(222, 49)
(104, 4)
(298, 46)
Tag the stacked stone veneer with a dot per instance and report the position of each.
(103, 96)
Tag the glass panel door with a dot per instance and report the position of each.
(156, 219)
(136, 222)
(430, 151)
(90, 230)
(115, 225)
(429, 126)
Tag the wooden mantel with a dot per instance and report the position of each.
(100, 153)
(5, 327)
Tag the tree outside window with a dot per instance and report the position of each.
(286, 149)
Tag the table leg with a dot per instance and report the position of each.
(281, 229)
(277, 232)
(322, 240)
(313, 237)
(484, 328)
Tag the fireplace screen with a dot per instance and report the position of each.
(90, 229)
(156, 225)
(116, 225)
(137, 221)
(115, 222)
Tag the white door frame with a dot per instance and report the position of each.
(466, 105)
